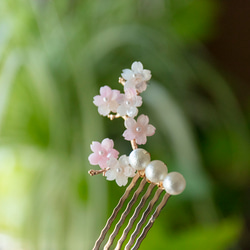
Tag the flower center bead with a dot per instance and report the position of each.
(101, 152)
(118, 170)
(105, 99)
(138, 129)
(127, 102)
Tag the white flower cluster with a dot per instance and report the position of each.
(135, 82)
(119, 170)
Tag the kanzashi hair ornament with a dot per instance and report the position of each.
(138, 164)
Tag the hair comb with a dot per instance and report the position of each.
(148, 175)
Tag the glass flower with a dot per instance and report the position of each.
(119, 170)
(129, 103)
(138, 130)
(107, 101)
(136, 77)
(102, 152)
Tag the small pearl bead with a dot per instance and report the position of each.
(138, 129)
(174, 183)
(118, 170)
(105, 99)
(139, 159)
(101, 152)
(156, 171)
(127, 102)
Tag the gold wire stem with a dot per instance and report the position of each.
(134, 216)
(115, 212)
(134, 144)
(143, 219)
(125, 214)
(121, 81)
(93, 172)
(151, 222)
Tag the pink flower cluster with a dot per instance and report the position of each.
(106, 156)
(102, 152)
(125, 105)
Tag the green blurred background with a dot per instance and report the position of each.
(54, 57)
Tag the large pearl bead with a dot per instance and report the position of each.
(174, 183)
(139, 159)
(156, 171)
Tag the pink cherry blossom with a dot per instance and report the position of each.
(119, 170)
(136, 77)
(102, 152)
(107, 101)
(138, 130)
(129, 103)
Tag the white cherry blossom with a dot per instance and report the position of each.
(119, 170)
(129, 103)
(136, 77)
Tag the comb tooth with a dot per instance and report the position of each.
(143, 219)
(124, 214)
(134, 216)
(151, 222)
(115, 212)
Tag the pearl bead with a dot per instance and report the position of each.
(101, 152)
(174, 183)
(138, 129)
(105, 99)
(139, 159)
(127, 102)
(118, 170)
(156, 171)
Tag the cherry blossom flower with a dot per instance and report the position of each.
(107, 101)
(138, 130)
(102, 152)
(129, 101)
(136, 77)
(119, 170)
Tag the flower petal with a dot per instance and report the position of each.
(129, 171)
(130, 93)
(98, 100)
(95, 146)
(115, 94)
(127, 74)
(143, 120)
(142, 139)
(147, 74)
(110, 174)
(150, 130)
(94, 159)
(141, 86)
(121, 180)
(130, 84)
(103, 110)
(138, 101)
(132, 112)
(124, 160)
(137, 67)
(122, 110)
(130, 123)
(128, 135)
(103, 162)
(107, 143)
(105, 91)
